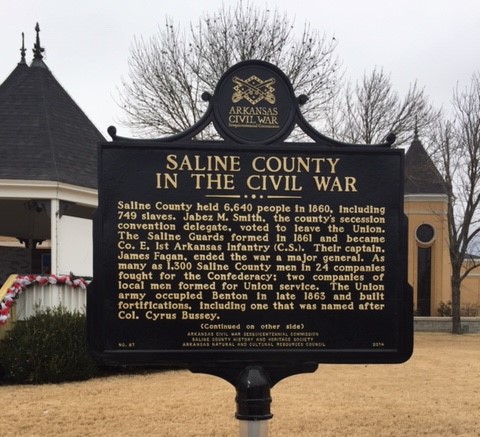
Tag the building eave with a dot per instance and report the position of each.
(34, 189)
(425, 197)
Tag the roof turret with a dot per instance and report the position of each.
(44, 135)
(421, 175)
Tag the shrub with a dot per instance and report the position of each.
(49, 346)
(445, 309)
(467, 310)
(470, 310)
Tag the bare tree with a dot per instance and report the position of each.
(372, 109)
(169, 71)
(456, 150)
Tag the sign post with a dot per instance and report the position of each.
(253, 402)
(250, 258)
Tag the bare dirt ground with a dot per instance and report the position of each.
(436, 393)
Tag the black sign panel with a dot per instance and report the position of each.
(249, 254)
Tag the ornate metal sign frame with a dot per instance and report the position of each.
(235, 190)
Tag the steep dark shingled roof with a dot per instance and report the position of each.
(421, 175)
(44, 135)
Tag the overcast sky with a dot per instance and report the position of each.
(436, 42)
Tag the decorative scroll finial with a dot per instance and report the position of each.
(22, 50)
(37, 48)
(415, 137)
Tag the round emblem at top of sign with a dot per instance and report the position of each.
(254, 102)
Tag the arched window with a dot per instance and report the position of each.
(425, 236)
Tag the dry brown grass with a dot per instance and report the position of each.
(436, 393)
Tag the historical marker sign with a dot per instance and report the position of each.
(285, 254)
(216, 253)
